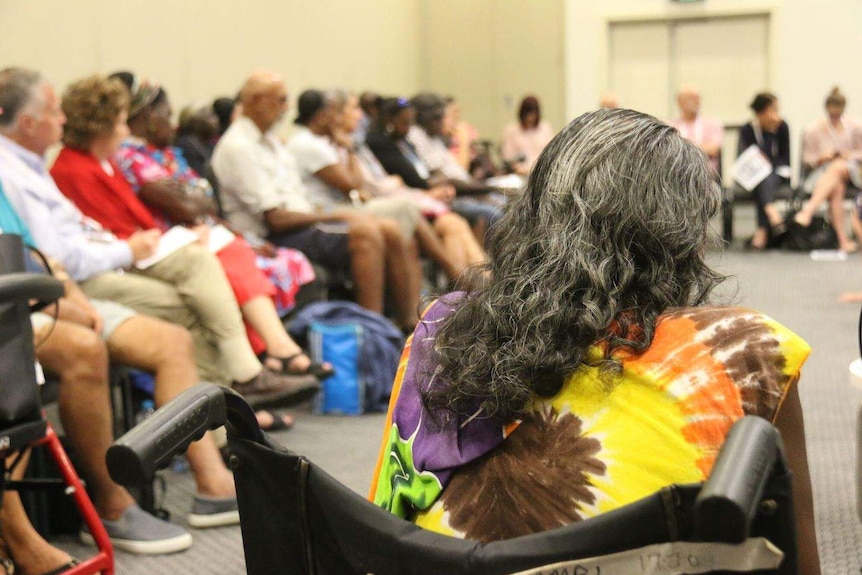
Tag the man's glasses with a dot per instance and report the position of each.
(281, 99)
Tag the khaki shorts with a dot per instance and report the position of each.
(403, 211)
(113, 315)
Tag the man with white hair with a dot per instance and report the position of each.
(705, 133)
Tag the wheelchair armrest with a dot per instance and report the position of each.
(25, 286)
(728, 501)
(136, 456)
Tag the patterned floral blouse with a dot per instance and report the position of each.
(593, 447)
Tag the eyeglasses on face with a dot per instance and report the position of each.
(278, 98)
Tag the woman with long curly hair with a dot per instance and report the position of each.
(586, 371)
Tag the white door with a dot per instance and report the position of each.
(726, 58)
(639, 56)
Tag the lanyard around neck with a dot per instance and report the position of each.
(761, 143)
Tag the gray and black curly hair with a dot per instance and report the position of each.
(609, 233)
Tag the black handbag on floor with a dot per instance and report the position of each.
(819, 235)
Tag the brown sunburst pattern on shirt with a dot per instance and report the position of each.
(536, 480)
(750, 353)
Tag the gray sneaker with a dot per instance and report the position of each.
(213, 512)
(136, 531)
(272, 389)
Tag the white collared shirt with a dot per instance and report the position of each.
(256, 173)
(59, 228)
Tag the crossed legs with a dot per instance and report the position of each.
(830, 186)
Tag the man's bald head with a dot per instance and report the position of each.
(688, 99)
(609, 100)
(261, 82)
(264, 98)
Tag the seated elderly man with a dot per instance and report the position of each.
(187, 287)
(77, 348)
(705, 133)
(262, 192)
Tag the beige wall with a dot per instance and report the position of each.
(487, 53)
(199, 49)
(490, 53)
(813, 45)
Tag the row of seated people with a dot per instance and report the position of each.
(180, 318)
(831, 151)
(831, 147)
(330, 198)
(522, 140)
(128, 185)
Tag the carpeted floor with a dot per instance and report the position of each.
(792, 288)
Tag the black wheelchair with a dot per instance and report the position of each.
(295, 518)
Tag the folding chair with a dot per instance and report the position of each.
(297, 519)
(22, 422)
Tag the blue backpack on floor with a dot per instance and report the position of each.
(363, 346)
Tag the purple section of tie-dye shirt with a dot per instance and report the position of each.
(438, 449)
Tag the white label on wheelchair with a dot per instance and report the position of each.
(673, 559)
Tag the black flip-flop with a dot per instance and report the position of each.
(278, 423)
(314, 368)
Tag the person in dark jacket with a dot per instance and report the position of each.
(770, 133)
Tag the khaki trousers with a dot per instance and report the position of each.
(188, 288)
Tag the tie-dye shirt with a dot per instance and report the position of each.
(596, 445)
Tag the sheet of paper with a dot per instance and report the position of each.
(220, 237)
(751, 168)
(829, 255)
(509, 182)
(175, 238)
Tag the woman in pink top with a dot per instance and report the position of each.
(524, 140)
(832, 149)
